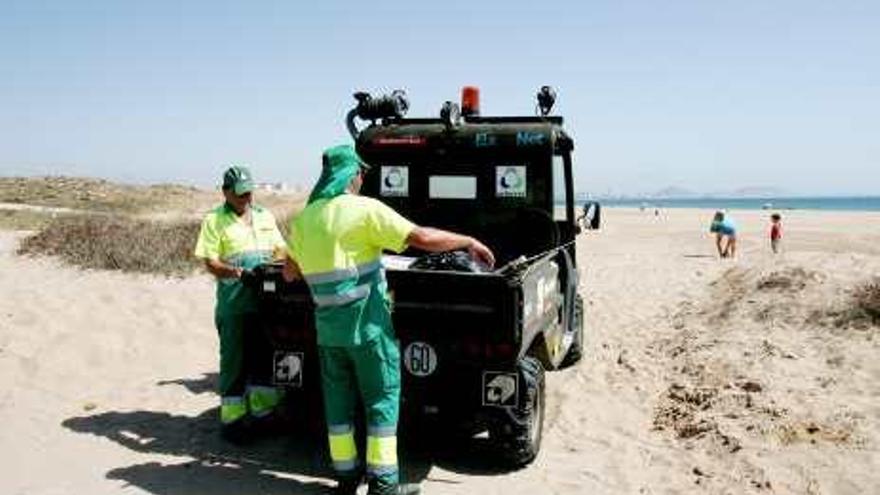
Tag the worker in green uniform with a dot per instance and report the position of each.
(336, 244)
(236, 237)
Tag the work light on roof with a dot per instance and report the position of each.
(546, 99)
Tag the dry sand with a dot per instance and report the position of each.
(701, 375)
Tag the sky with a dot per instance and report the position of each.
(707, 96)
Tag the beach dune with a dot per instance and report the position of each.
(752, 375)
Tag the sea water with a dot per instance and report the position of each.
(838, 203)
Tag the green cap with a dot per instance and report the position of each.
(342, 156)
(340, 166)
(239, 179)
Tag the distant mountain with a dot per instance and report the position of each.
(757, 192)
(673, 192)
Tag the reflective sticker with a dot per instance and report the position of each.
(420, 359)
(401, 141)
(287, 368)
(510, 181)
(395, 181)
(485, 140)
(526, 138)
(268, 286)
(500, 389)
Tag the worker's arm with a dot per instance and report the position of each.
(222, 270)
(436, 240)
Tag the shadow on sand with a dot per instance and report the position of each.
(268, 465)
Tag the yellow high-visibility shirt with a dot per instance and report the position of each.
(225, 237)
(338, 245)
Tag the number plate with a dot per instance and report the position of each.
(420, 359)
(287, 368)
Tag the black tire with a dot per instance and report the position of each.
(576, 351)
(517, 434)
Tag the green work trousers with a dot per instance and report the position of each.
(371, 371)
(242, 392)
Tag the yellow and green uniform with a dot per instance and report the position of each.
(338, 240)
(226, 237)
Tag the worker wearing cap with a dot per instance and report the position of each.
(236, 237)
(336, 244)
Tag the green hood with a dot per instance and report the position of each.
(340, 165)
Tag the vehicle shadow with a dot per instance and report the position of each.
(216, 467)
(268, 465)
(206, 384)
(471, 456)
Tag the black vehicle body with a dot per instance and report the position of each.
(474, 346)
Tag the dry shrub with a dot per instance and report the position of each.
(813, 432)
(861, 311)
(118, 243)
(791, 280)
(866, 299)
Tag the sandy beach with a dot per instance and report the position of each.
(701, 375)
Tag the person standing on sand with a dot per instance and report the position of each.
(775, 232)
(725, 234)
(236, 237)
(336, 245)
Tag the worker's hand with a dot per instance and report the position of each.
(291, 270)
(248, 278)
(481, 253)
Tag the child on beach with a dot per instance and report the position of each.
(725, 234)
(775, 232)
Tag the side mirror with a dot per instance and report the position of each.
(592, 216)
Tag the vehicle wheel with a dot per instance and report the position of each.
(576, 351)
(518, 435)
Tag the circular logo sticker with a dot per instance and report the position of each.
(394, 179)
(420, 359)
(511, 179)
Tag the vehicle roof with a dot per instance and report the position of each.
(475, 135)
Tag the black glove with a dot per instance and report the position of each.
(249, 279)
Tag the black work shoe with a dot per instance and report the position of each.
(237, 433)
(401, 489)
(347, 486)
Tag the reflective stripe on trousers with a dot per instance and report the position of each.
(382, 450)
(343, 451)
(232, 409)
(262, 400)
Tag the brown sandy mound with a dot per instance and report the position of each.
(83, 193)
(736, 365)
(98, 224)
